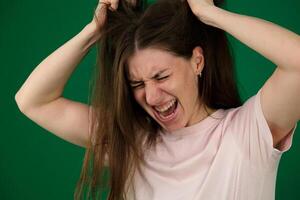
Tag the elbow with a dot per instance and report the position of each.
(19, 102)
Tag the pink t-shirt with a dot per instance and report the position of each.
(229, 158)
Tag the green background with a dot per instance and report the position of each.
(34, 163)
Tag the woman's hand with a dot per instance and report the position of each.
(103, 5)
(101, 12)
(200, 8)
(100, 15)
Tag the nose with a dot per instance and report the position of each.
(152, 93)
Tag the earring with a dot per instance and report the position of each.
(148, 119)
(200, 74)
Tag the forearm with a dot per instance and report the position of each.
(277, 44)
(48, 79)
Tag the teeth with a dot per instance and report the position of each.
(165, 107)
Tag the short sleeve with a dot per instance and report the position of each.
(249, 128)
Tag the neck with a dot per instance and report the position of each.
(202, 112)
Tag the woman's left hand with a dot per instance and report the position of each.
(200, 7)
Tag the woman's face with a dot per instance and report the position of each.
(166, 86)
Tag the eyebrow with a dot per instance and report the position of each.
(153, 77)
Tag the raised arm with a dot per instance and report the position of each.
(40, 97)
(280, 97)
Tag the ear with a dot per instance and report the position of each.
(197, 60)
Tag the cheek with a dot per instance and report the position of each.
(138, 96)
(186, 90)
(172, 87)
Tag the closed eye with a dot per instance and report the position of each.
(161, 78)
(137, 86)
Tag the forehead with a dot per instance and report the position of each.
(147, 62)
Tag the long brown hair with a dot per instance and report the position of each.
(120, 128)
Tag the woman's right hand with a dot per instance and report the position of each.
(99, 18)
(100, 14)
(101, 10)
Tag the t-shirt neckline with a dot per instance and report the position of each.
(195, 128)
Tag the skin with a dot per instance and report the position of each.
(280, 95)
(42, 101)
(178, 80)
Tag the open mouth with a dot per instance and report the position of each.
(167, 113)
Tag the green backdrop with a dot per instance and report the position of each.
(34, 163)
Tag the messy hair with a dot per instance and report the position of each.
(121, 129)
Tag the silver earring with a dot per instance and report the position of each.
(148, 119)
(200, 74)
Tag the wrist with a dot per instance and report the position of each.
(90, 35)
(209, 15)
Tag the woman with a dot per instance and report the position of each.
(166, 116)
